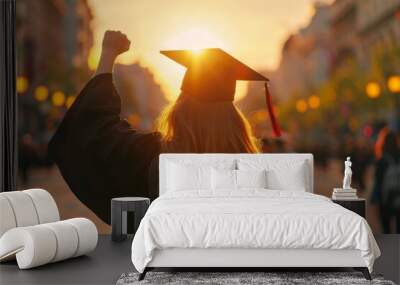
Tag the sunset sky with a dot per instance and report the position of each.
(252, 30)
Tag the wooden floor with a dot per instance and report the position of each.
(106, 264)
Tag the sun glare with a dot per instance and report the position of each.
(197, 51)
(194, 39)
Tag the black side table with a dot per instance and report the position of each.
(119, 209)
(356, 205)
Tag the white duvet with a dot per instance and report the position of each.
(250, 219)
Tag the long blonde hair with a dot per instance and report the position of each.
(188, 125)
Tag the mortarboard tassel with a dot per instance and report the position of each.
(274, 122)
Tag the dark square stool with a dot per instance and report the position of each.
(119, 217)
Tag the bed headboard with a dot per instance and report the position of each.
(201, 158)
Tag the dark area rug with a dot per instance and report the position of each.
(229, 278)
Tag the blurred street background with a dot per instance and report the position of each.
(334, 69)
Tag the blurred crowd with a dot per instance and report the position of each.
(386, 189)
(383, 156)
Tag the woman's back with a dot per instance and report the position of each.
(100, 156)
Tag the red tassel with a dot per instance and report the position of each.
(274, 122)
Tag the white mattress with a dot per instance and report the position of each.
(259, 219)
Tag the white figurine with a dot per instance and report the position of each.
(347, 174)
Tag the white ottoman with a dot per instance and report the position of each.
(37, 245)
(31, 230)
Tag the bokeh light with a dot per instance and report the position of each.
(314, 102)
(41, 93)
(58, 98)
(301, 106)
(373, 90)
(394, 83)
(22, 84)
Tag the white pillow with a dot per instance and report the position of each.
(188, 177)
(251, 178)
(223, 179)
(281, 174)
(228, 179)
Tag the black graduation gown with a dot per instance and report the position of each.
(99, 155)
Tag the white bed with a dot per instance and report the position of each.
(250, 227)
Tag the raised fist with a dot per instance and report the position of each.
(115, 43)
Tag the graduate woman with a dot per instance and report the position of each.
(101, 156)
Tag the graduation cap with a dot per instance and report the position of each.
(211, 76)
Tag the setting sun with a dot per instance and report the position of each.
(157, 25)
(195, 39)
